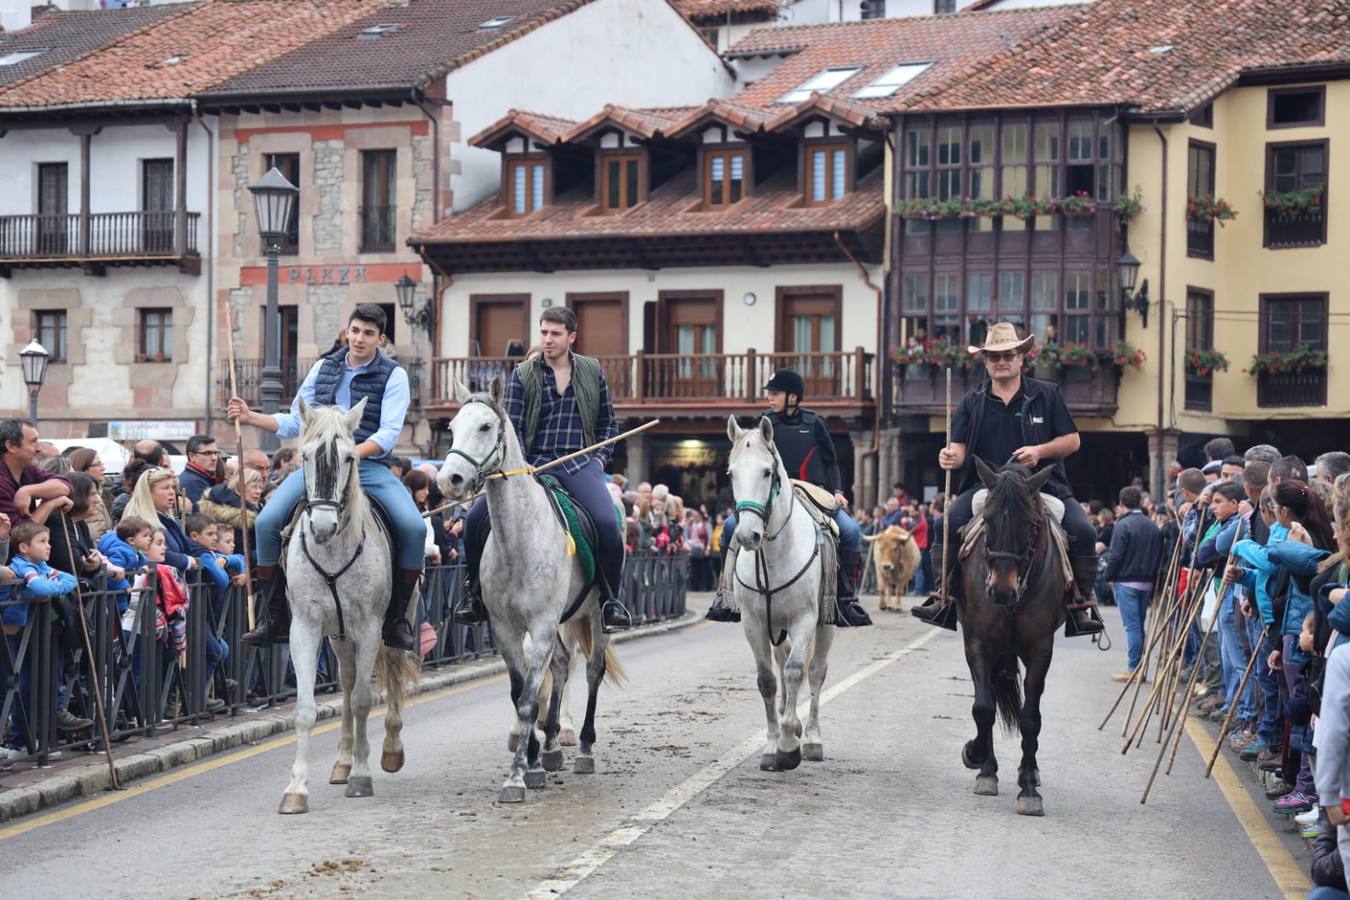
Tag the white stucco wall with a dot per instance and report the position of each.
(115, 156)
(745, 327)
(650, 56)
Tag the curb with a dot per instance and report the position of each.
(93, 779)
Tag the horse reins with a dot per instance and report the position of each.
(331, 578)
(1025, 562)
(499, 451)
(765, 513)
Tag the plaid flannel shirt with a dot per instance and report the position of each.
(560, 428)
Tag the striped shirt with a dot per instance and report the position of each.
(560, 429)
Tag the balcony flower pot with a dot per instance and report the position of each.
(1128, 206)
(1291, 206)
(1206, 362)
(1077, 356)
(1204, 208)
(1125, 354)
(1283, 362)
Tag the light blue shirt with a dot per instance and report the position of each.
(393, 409)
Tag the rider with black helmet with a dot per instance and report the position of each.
(807, 451)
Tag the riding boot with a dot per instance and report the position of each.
(613, 614)
(273, 611)
(469, 608)
(939, 610)
(398, 630)
(721, 610)
(849, 613)
(1081, 603)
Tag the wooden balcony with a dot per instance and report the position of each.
(1304, 388)
(691, 386)
(921, 389)
(248, 378)
(99, 240)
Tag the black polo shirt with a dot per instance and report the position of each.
(1003, 428)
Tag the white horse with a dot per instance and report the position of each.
(528, 581)
(777, 586)
(338, 551)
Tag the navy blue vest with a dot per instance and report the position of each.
(368, 385)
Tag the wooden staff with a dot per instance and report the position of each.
(239, 454)
(89, 657)
(947, 494)
(1233, 704)
(1159, 629)
(534, 470)
(1196, 598)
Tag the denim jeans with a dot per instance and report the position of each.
(1133, 603)
(379, 483)
(850, 532)
(1234, 653)
(1268, 683)
(216, 651)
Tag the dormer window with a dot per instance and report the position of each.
(821, 84)
(827, 172)
(620, 181)
(723, 178)
(892, 81)
(526, 185)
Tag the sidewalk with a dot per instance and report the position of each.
(86, 774)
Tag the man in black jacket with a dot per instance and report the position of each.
(807, 449)
(1014, 418)
(1132, 565)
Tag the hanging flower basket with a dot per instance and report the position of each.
(1290, 205)
(1127, 207)
(1126, 354)
(1204, 208)
(1282, 362)
(1206, 362)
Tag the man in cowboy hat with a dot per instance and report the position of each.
(807, 450)
(1013, 417)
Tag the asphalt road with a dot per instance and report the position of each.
(679, 807)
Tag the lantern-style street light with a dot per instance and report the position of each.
(33, 360)
(273, 199)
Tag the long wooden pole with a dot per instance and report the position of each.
(534, 470)
(947, 494)
(1159, 624)
(239, 455)
(1233, 703)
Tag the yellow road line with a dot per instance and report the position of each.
(1289, 876)
(94, 803)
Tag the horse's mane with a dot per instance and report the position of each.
(1011, 493)
(323, 424)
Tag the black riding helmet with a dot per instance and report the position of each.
(787, 381)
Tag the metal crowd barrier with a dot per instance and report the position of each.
(148, 689)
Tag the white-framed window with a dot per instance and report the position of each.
(821, 84)
(892, 81)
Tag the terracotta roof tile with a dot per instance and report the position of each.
(191, 48)
(646, 122)
(672, 210)
(1154, 55)
(740, 116)
(951, 44)
(543, 128)
(65, 36)
(711, 12)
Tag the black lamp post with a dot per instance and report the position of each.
(33, 360)
(1128, 267)
(273, 200)
(423, 317)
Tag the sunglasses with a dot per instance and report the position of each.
(1008, 355)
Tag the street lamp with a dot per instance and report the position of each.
(33, 359)
(1128, 267)
(423, 317)
(273, 200)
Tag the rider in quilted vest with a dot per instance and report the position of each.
(807, 450)
(559, 403)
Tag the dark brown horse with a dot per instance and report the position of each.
(1012, 603)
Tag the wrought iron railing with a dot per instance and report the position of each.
(106, 235)
(1303, 388)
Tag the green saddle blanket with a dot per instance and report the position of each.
(577, 524)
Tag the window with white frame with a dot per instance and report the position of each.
(892, 81)
(821, 84)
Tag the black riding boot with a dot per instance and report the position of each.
(1083, 616)
(614, 615)
(398, 631)
(469, 608)
(721, 610)
(849, 612)
(272, 610)
(939, 610)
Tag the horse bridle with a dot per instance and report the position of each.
(765, 510)
(1025, 561)
(480, 467)
(344, 514)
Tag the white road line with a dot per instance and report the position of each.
(574, 872)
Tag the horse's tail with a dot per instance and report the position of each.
(396, 673)
(1008, 693)
(615, 673)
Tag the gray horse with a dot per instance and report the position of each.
(529, 578)
(338, 551)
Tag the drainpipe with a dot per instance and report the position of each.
(875, 450)
(209, 241)
(1160, 478)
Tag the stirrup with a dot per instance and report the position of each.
(721, 611)
(612, 623)
(1093, 626)
(398, 635)
(944, 616)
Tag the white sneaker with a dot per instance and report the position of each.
(12, 754)
(1310, 817)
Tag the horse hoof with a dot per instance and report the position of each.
(552, 760)
(1030, 805)
(768, 762)
(511, 794)
(391, 761)
(584, 765)
(787, 761)
(360, 786)
(966, 759)
(293, 804)
(813, 752)
(568, 737)
(535, 779)
(340, 773)
(986, 785)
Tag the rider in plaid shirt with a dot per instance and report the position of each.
(561, 430)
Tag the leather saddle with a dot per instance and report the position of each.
(819, 503)
(1054, 518)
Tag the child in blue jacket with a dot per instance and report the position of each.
(125, 548)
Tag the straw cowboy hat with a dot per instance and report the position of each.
(1003, 337)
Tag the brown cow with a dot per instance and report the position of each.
(896, 558)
